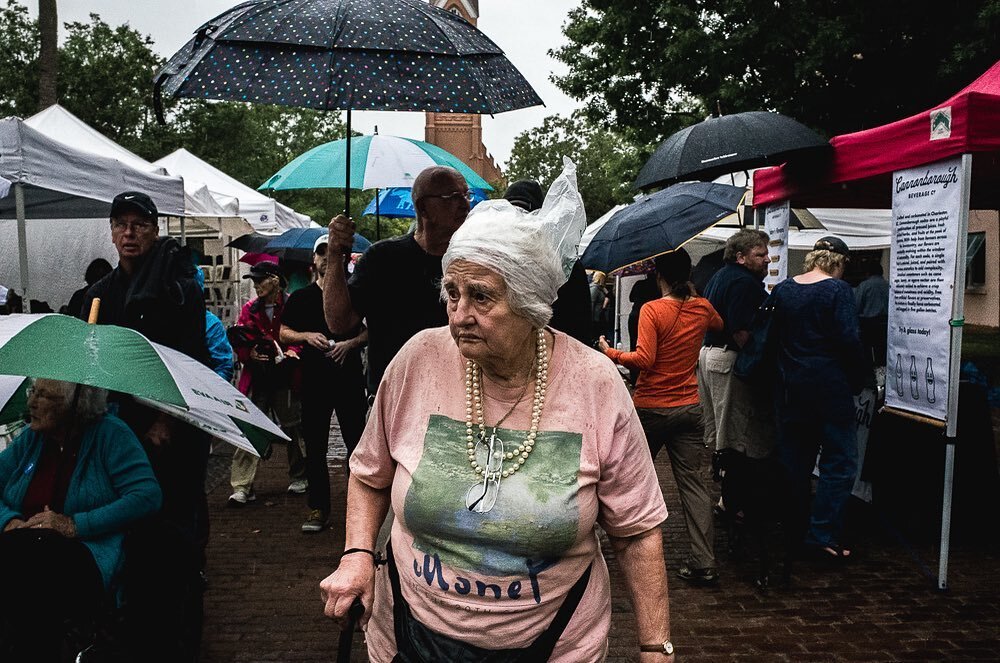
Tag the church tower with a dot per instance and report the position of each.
(462, 134)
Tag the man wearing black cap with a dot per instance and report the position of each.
(153, 291)
(266, 378)
(571, 310)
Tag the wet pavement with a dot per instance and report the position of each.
(263, 600)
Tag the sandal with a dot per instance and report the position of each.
(832, 552)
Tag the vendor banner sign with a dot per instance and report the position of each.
(927, 207)
(776, 220)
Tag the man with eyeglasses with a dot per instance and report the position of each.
(396, 284)
(153, 291)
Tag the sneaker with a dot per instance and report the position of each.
(316, 522)
(242, 496)
(707, 576)
(298, 486)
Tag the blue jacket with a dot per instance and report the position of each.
(112, 487)
(220, 351)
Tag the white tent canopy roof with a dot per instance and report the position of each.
(59, 124)
(263, 213)
(63, 182)
(803, 240)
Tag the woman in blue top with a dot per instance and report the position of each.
(821, 367)
(70, 484)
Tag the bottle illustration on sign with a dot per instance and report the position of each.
(914, 387)
(929, 375)
(899, 375)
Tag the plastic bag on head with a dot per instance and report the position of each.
(562, 216)
(534, 252)
(559, 223)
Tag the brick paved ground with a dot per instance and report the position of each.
(263, 602)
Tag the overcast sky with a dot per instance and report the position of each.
(524, 29)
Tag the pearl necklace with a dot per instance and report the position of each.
(474, 404)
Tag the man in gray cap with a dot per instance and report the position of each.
(332, 379)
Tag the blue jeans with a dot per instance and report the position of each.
(801, 435)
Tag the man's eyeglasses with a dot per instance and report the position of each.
(134, 226)
(454, 195)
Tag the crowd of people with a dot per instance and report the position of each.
(487, 437)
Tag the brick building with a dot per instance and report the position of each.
(459, 133)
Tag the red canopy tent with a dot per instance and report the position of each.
(859, 175)
(862, 163)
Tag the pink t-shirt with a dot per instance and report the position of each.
(495, 580)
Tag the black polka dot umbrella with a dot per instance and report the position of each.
(345, 55)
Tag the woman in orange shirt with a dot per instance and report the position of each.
(671, 330)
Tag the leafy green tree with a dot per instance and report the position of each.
(19, 44)
(105, 75)
(606, 162)
(837, 66)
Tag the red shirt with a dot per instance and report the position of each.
(50, 482)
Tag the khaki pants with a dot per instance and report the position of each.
(679, 429)
(287, 410)
(735, 416)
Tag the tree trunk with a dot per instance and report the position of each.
(48, 58)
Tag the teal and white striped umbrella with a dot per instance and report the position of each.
(377, 162)
(59, 347)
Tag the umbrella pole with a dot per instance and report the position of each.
(347, 170)
(378, 221)
(95, 308)
(618, 310)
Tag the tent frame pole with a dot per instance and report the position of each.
(958, 318)
(22, 243)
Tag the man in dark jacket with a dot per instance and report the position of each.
(153, 291)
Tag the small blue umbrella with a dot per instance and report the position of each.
(660, 223)
(297, 243)
(395, 203)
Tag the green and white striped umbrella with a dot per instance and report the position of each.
(59, 347)
(377, 162)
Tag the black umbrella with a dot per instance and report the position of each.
(729, 143)
(251, 242)
(660, 223)
(345, 55)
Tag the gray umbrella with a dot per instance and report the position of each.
(345, 55)
(659, 223)
(729, 143)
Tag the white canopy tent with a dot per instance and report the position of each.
(59, 124)
(66, 194)
(263, 213)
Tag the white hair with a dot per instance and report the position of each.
(91, 403)
(532, 252)
(504, 240)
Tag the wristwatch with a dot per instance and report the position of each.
(666, 648)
